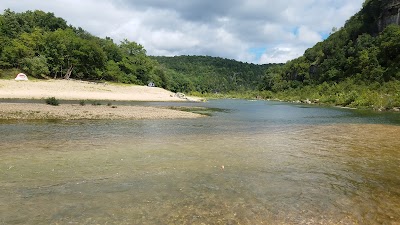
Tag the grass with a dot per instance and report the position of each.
(9, 74)
(380, 97)
(52, 101)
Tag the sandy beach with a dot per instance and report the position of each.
(81, 90)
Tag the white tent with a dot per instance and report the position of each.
(21, 76)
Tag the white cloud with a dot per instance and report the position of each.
(281, 54)
(308, 36)
(274, 33)
(285, 28)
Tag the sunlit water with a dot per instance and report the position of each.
(256, 163)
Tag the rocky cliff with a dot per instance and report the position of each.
(390, 14)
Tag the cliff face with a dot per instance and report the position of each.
(390, 14)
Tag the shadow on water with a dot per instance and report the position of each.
(252, 163)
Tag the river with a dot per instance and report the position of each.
(254, 162)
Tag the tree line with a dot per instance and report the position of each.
(206, 74)
(43, 45)
(357, 65)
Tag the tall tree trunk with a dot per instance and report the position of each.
(68, 74)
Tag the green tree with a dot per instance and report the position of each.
(113, 72)
(135, 63)
(14, 53)
(10, 26)
(389, 55)
(35, 66)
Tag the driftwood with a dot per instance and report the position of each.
(180, 95)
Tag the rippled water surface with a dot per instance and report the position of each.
(255, 163)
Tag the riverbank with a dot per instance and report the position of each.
(376, 97)
(83, 90)
(37, 111)
(86, 91)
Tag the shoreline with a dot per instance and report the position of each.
(38, 111)
(27, 94)
(83, 90)
(314, 102)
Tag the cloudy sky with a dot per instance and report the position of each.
(257, 31)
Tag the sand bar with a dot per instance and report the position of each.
(31, 111)
(81, 90)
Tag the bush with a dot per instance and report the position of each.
(36, 66)
(82, 103)
(266, 94)
(52, 101)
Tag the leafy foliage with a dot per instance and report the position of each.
(37, 66)
(357, 65)
(355, 56)
(44, 45)
(205, 74)
(52, 101)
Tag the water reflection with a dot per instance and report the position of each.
(285, 170)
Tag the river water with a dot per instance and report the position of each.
(255, 162)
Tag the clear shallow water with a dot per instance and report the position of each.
(283, 164)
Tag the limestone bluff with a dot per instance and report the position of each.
(390, 14)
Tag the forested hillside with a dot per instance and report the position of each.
(208, 74)
(44, 46)
(358, 65)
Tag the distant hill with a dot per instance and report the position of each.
(45, 46)
(357, 65)
(214, 74)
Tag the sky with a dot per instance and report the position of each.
(254, 31)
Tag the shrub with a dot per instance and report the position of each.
(266, 94)
(36, 66)
(82, 103)
(52, 101)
